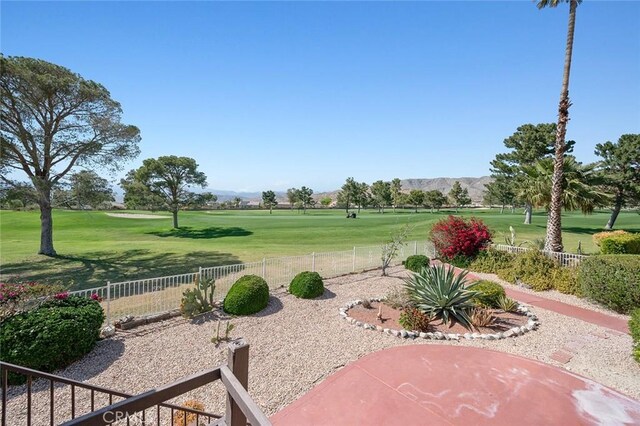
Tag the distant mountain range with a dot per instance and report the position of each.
(475, 186)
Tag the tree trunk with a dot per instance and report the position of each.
(46, 220)
(527, 213)
(175, 217)
(615, 212)
(502, 209)
(270, 209)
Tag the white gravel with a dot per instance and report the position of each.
(297, 343)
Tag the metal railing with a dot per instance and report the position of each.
(564, 259)
(148, 408)
(155, 295)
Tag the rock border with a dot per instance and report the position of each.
(531, 325)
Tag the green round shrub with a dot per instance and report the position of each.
(52, 335)
(612, 280)
(307, 285)
(489, 293)
(248, 295)
(416, 262)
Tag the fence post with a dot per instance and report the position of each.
(353, 267)
(199, 275)
(108, 302)
(238, 363)
(313, 261)
(415, 247)
(264, 268)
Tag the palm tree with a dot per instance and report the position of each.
(579, 185)
(554, 221)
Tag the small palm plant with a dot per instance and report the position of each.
(439, 293)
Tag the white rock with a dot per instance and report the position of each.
(108, 331)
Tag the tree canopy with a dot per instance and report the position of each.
(53, 120)
(269, 200)
(89, 189)
(169, 179)
(620, 171)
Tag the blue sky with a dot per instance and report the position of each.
(271, 95)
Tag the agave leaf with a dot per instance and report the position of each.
(440, 293)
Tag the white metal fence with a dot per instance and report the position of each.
(564, 259)
(154, 295)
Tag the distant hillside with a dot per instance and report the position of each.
(475, 186)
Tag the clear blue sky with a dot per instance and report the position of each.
(273, 95)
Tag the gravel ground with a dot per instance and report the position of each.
(297, 343)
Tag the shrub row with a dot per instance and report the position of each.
(634, 327)
(621, 244)
(612, 280)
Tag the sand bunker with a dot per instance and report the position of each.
(137, 216)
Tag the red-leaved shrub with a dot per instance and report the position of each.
(455, 236)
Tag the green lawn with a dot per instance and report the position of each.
(94, 247)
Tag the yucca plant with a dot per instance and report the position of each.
(439, 293)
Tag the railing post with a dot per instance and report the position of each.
(415, 247)
(264, 268)
(353, 267)
(199, 275)
(313, 261)
(238, 362)
(108, 302)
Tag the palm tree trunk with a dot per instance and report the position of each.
(553, 239)
(527, 213)
(615, 212)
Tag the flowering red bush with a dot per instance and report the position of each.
(456, 236)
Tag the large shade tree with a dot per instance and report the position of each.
(620, 169)
(528, 144)
(53, 120)
(553, 240)
(170, 178)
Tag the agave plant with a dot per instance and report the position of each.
(439, 293)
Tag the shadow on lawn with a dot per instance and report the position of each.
(94, 269)
(203, 233)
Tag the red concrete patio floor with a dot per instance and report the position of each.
(455, 385)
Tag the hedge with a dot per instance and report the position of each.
(612, 280)
(621, 244)
(634, 327)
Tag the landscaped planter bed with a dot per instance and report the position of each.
(508, 324)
